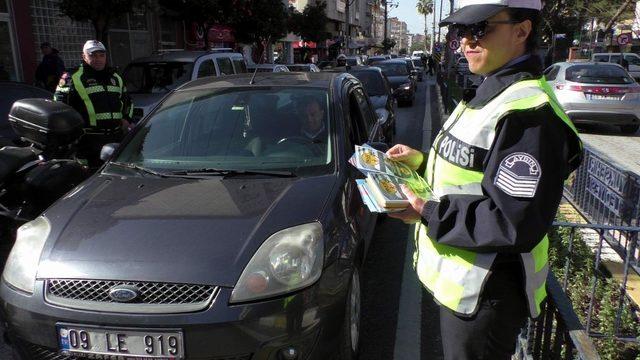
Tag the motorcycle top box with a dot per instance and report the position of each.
(46, 123)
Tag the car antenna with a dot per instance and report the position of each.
(253, 77)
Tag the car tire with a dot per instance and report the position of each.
(629, 129)
(351, 328)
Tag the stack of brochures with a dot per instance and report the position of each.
(381, 190)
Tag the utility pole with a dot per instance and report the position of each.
(348, 25)
(440, 19)
(386, 20)
(433, 29)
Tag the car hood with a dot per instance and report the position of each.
(171, 229)
(146, 102)
(378, 102)
(396, 81)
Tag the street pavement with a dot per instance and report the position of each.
(399, 318)
(622, 149)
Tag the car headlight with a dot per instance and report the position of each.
(406, 86)
(288, 260)
(22, 264)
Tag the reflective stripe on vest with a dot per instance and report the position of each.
(77, 83)
(84, 93)
(455, 276)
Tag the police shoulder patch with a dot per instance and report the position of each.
(518, 175)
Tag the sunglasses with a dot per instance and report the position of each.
(478, 30)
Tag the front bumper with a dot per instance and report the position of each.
(603, 117)
(309, 320)
(404, 95)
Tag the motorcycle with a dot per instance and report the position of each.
(35, 176)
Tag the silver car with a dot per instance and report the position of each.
(595, 92)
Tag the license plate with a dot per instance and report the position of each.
(603, 97)
(121, 343)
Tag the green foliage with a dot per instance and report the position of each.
(417, 46)
(424, 7)
(256, 21)
(98, 12)
(387, 44)
(199, 11)
(570, 16)
(310, 24)
(582, 274)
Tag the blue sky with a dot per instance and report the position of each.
(406, 11)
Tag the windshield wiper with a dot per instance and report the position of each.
(232, 172)
(139, 168)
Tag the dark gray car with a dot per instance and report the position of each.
(402, 80)
(225, 226)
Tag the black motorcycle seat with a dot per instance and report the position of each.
(12, 158)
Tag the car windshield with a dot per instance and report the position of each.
(272, 128)
(393, 69)
(372, 82)
(598, 74)
(156, 77)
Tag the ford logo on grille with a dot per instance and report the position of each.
(124, 293)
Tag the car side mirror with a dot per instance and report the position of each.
(107, 151)
(382, 115)
(380, 146)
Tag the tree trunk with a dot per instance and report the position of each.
(101, 27)
(617, 15)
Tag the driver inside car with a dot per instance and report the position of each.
(313, 127)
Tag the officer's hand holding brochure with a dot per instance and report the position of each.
(381, 190)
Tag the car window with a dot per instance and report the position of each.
(240, 66)
(156, 77)
(224, 64)
(633, 60)
(615, 59)
(237, 128)
(365, 110)
(372, 82)
(598, 74)
(357, 119)
(552, 73)
(601, 58)
(207, 68)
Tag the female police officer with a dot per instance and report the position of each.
(496, 170)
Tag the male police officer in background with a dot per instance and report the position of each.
(99, 94)
(496, 169)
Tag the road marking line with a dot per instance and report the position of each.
(409, 324)
(426, 123)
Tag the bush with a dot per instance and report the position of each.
(581, 275)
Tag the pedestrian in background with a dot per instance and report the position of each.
(496, 170)
(431, 64)
(50, 68)
(98, 93)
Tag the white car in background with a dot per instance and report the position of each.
(596, 92)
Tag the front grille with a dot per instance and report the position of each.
(162, 297)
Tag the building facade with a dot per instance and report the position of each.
(398, 32)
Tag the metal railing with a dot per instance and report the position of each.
(558, 332)
(606, 194)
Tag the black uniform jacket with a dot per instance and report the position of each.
(498, 220)
(107, 101)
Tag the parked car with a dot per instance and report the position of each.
(327, 64)
(462, 66)
(381, 96)
(267, 68)
(216, 230)
(596, 92)
(632, 58)
(355, 60)
(12, 92)
(150, 78)
(402, 81)
(418, 65)
(417, 54)
(303, 67)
